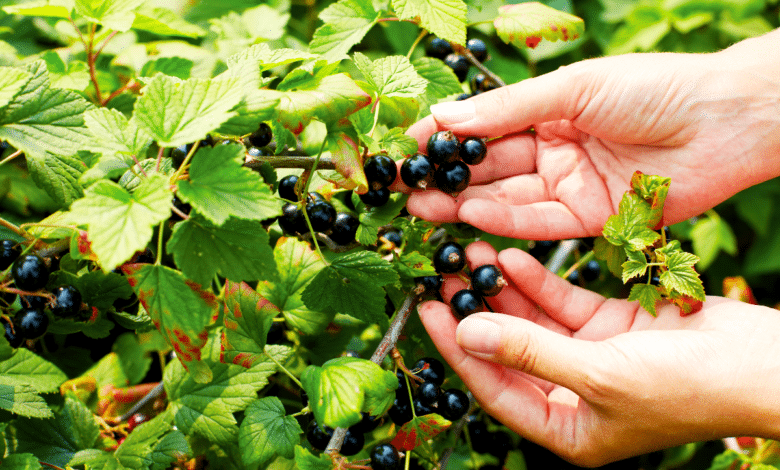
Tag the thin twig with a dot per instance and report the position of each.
(12, 227)
(153, 393)
(467, 54)
(10, 157)
(284, 161)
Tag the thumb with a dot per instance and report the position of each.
(514, 108)
(528, 347)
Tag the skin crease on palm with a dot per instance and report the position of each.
(714, 128)
(594, 379)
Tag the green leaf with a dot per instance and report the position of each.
(391, 76)
(23, 400)
(42, 119)
(120, 223)
(413, 264)
(441, 79)
(46, 8)
(237, 250)
(11, 81)
(681, 276)
(420, 429)
(113, 14)
(629, 227)
(164, 22)
(58, 175)
(352, 285)
(613, 255)
(709, 236)
(25, 368)
(375, 217)
(727, 460)
(24, 461)
(346, 23)
(153, 445)
(178, 67)
(525, 24)
(267, 431)
(247, 319)
(653, 189)
(74, 75)
(305, 460)
(207, 409)
(115, 135)
(330, 99)
(397, 144)
(635, 266)
(133, 177)
(647, 295)
(220, 187)
(260, 57)
(338, 390)
(444, 18)
(133, 357)
(343, 145)
(297, 265)
(176, 112)
(179, 309)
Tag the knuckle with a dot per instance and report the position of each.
(520, 354)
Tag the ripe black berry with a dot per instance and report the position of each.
(463, 96)
(401, 411)
(574, 277)
(428, 393)
(478, 49)
(449, 258)
(367, 424)
(473, 150)
(319, 437)
(480, 437)
(540, 249)
(291, 221)
(353, 443)
(481, 83)
(287, 187)
(179, 153)
(385, 457)
(262, 136)
(459, 64)
(465, 302)
(13, 337)
(591, 271)
(417, 171)
(420, 408)
(438, 48)
(487, 280)
(30, 273)
(428, 284)
(9, 251)
(321, 215)
(31, 323)
(453, 177)
(344, 228)
(396, 237)
(67, 301)
(453, 404)
(443, 146)
(376, 197)
(380, 171)
(430, 370)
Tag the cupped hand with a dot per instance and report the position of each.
(597, 380)
(708, 121)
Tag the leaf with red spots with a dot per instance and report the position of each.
(179, 309)
(738, 289)
(526, 24)
(248, 317)
(419, 430)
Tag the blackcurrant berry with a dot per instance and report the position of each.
(353, 443)
(9, 251)
(442, 147)
(30, 273)
(136, 419)
(449, 258)
(481, 83)
(417, 171)
(402, 386)
(574, 277)
(396, 237)
(428, 393)
(473, 150)
(478, 49)
(655, 280)
(459, 64)
(453, 404)
(67, 301)
(380, 171)
(344, 228)
(453, 177)
(287, 188)
(430, 370)
(487, 280)
(376, 198)
(13, 337)
(466, 302)
(321, 215)
(314, 196)
(319, 437)
(262, 136)
(385, 457)
(276, 333)
(540, 249)
(591, 271)
(291, 221)
(420, 408)
(463, 96)
(367, 424)
(438, 48)
(480, 437)
(401, 411)
(179, 153)
(428, 284)
(31, 323)
(182, 206)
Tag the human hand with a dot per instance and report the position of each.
(708, 121)
(597, 380)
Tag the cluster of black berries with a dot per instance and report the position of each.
(483, 441)
(479, 83)
(587, 273)
(427, 396)
(341, 227)
(446, 163)
(30, 273)
(255, 142)
(354, 440)
(380, 171)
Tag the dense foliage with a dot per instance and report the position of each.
(203, 265)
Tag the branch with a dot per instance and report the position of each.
(288, 161)
(467, 54)
(153, 393)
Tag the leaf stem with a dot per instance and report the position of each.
(420, 37)
(10, 157)
(284, 369)
(467, 53)
(184, 163)
(376, 117)
(158, 260)
(305, 162)
(14, 228)
(305, 193)
(584, 259)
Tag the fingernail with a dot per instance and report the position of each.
(478, 335)
(454, 112)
